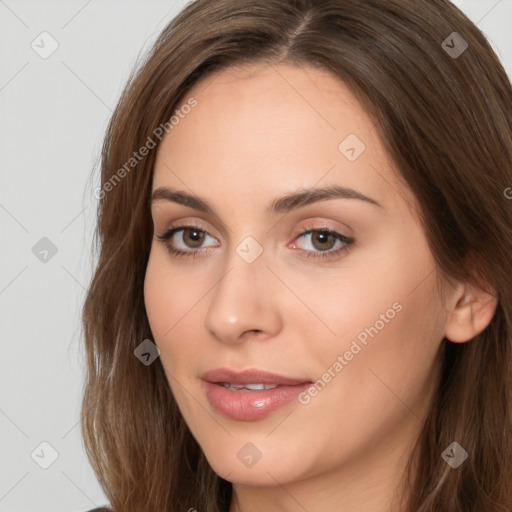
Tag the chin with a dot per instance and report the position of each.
(239, 464)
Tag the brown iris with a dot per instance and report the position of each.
(193, 237)
(323, 240)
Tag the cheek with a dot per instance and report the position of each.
(393, 369)
(170, 294)
(386, 322)
(375, 292)
(172, 300)
(158, 297)
(378, 374)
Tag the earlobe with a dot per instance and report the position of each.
(471, 315)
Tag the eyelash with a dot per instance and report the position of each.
(329, 254)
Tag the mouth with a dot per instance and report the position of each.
(251, 394)
(246, 387)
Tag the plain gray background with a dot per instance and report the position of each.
(53, 113)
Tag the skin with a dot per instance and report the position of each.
(257, 133)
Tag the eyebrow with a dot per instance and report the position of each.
(280, 205)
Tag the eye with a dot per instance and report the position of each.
(185, 240)
(189, 240)
(323, 243)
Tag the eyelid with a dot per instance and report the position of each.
(311, 225)
(322, 225)
(192, 222)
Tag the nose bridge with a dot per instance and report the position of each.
(243, 300)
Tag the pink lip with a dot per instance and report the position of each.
(249, 405)
(251, 375)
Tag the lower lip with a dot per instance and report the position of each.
(251, 405)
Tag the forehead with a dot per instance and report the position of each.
(269, 99)
(272, 127)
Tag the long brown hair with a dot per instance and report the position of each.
(444, 113)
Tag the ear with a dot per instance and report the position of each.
(471, 314)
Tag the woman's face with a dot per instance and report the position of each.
(291, 272)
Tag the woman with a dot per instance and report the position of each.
(303, 299)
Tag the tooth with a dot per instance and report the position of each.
(251, 387)
(259, 387)
(233, 386)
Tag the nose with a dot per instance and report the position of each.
(245, 303)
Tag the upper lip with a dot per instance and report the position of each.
(249, 376)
